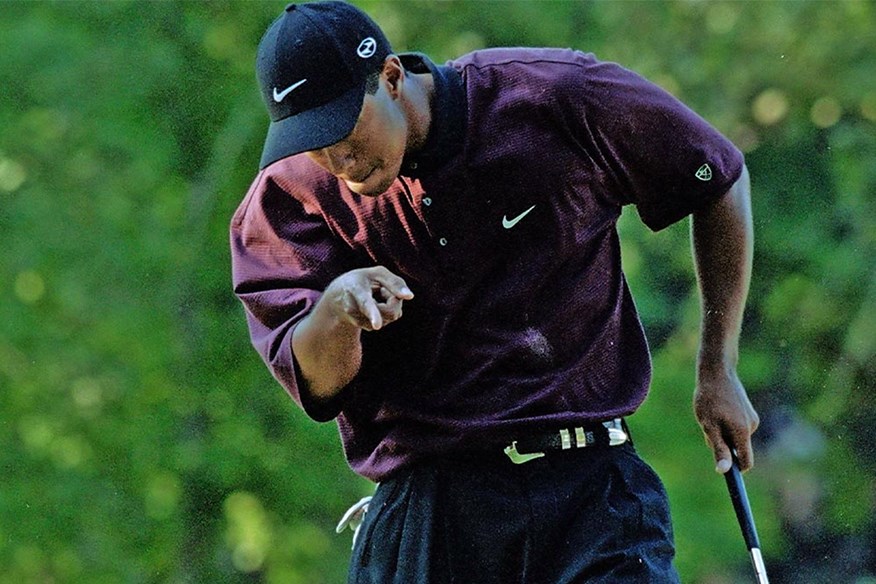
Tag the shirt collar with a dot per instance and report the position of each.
(447, 128)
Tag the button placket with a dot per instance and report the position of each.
(427, 202)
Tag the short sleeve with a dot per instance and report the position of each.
(283, 256)
(654, 151)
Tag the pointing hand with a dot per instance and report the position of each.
(369, 298)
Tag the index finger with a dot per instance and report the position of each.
(743, 451)
(362, 308)
(395, 285)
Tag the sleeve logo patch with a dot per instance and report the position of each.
(704, 173)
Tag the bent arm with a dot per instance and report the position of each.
(723, 241)
(327, 343)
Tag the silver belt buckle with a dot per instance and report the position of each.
(616, 434)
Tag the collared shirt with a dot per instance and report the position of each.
(504, 226)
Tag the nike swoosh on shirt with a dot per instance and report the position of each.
(278, 97)
(509, 223)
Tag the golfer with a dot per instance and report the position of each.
(429, 255)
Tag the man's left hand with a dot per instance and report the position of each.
(727, 418)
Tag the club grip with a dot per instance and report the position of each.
(741, 506)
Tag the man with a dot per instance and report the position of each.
(429, 255)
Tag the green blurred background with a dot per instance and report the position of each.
(142, 439)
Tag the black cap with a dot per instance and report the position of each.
(312, 65)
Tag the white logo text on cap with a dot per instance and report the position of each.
(367, 47)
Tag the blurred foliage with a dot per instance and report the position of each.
(141, 438)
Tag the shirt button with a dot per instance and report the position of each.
(413, 166)
(442, 242)
(427, 201)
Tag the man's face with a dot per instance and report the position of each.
(369, 159)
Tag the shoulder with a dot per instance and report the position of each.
(522, 56)
(300, 177)
(542, 75)
(552, 64)
(291, 183)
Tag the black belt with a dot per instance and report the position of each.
(611, 433)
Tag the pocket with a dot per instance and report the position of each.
(624, 502)
(655, 520)
(371, 547)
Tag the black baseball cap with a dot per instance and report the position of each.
(312, 65)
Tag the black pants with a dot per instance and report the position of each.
(590, 515)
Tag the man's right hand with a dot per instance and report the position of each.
(369, 298)
(327, 341)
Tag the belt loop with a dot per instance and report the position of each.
(566, 439)
(580, 437)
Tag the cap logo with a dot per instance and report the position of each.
(279, 96)
(367, 47)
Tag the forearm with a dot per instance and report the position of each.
(723, 243)
(328, 350)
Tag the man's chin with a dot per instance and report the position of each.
(369, 188)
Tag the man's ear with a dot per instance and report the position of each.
(393, 75)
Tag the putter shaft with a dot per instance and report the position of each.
(739, 498)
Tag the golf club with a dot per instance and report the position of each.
(746, 520)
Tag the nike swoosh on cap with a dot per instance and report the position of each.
(509, 223)
(278, 97)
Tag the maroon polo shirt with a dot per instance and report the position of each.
(504, 226)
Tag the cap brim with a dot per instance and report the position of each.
(314, 128)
